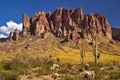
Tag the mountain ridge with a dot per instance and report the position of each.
(63, 23)
(69, 27)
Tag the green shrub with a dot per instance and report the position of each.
(115, 75)
(65, 68)
(44, 70)
(68, 77)
(35, 62)
(6, 64)
(18, 63)
(9, 75)
(39, 61)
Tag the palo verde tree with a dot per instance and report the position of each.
(82, 53)
(96, 53)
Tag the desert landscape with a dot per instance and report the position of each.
(64, 45)
(59, 40)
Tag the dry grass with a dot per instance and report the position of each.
(65, 54)
(34, 77)
(73, 55)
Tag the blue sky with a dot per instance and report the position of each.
(11, 10)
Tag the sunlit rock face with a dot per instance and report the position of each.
(26, 24)
(63, 22)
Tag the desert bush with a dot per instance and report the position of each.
(22, 63)
(115, 75)
(68, 77)
(44, 60)
(35, 62)
(9, 75)
(44, 63)
(6, 64)
(65, 68)
(44, 70)
(1, 68)
(18, 63)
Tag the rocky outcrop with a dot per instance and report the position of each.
(38, 23)
(78, 16)
(26, 24)
(63, 22)
(103, 26)
(90, 24)
(50, 22)
(95, 24)
(10, 36)
(16, 35)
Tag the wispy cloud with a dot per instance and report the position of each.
(3, 36)
(11, 26)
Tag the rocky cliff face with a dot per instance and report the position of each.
(93, 24)
(63, 22)
(26, 24)
(39, 23)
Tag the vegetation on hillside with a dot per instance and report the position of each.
(69, 61)
(33, 57)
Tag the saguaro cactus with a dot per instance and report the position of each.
(96, 53)
(82, 53)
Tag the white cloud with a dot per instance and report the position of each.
(11, 26)
(2, 36)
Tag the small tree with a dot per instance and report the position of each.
(96, 53)
(82, 53)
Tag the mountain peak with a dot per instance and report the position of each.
(63, 22)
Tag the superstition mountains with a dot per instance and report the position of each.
(69, 26)
(65, 44)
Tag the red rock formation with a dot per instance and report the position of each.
(51, 26)
(10, 37)
(38, 23)
(26, 24)
(95, 24)
(68, 34)
(104, 26)
(78, 16)
(62, 18)
(64, 31)
(73, 33)
(62, 21)
(16, 35)
(56, 18)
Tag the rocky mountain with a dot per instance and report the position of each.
(64, 26)
(64, 22)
